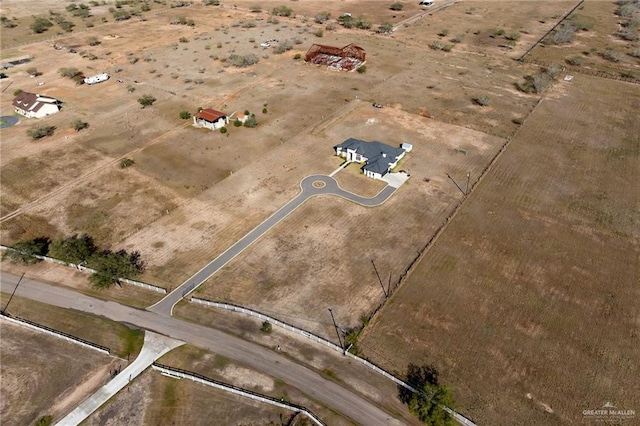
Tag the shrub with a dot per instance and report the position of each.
(121, 15)
(40, 131)
(611, 55)
(146, 100)
(17, 92)
(266, 327)
(33, 71)
(237, 123)
(241, 61)
(564, 33)
(396, 6)
(7, 23)
(481, 100)
(78, 125)
(93, 41)
(66, 25)
(248, 24)
(443, 33)
(45, 421)
(457, 39)
(283, 47)
(185, 115)
(385, 28)
(362, 24)
(447, 47)
(264, 110)
(282, 11)
(318, 32)
(575, 60)
(330, 26)
(322, 17)
(255, 9)
(297, 56)
(183, 40)
(223, 130)
(362, 69)
(513, 36)
(126, 162)
(436, 45)
(40, 25)
(211, 2)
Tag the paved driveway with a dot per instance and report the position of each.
(311, 186)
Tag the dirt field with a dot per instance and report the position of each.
(590, 46)
(65, 375)
(155, 399)
(546, 244)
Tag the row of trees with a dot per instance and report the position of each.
(110, 266)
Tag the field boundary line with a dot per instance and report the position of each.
(566, 15)
(198, 378)
(236, 308)
(55, 333)
(586, 71)
(91, 271)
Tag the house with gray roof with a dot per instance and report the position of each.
(378, 158)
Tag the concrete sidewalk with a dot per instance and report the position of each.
(155, 345)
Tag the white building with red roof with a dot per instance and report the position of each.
(210, 119)
(33, 105)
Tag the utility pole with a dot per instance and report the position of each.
(456, 184)
(12, 293)
(379, 280)
(336, 327)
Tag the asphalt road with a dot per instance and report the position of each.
(308, 190)
(255, 356)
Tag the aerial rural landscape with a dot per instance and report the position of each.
(304, 212)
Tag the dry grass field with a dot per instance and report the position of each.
(599, 48)
(527, 303)
(158, 400)
(64, 376)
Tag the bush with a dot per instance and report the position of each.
(264, 110)
(362, 23)
(283, 47)
(69, 72)
(297, 56)
(248, 24)
(385, 28)
(66, 25)
(40, 131)
(146, 100)
(362, 69)
(126, 162)
(564, 33)
(183, 40)
(185, 115)
(575, 60)
(482, 100)
(45, 421)
(241, 61)
(318, 32)
(40, 25)
(513, 36)
(436, 45)
(443, 33)
(447, 47)
(17, 92)
(255, 9)
(396, 6)
(211, 2)
(266, 327)
(322, 17)
(282, 11)
(223, 130)
(78, 125)
(612, 55)
(237, 123)
(33, 71)
(93, 41)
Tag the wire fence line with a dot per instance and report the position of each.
(59, 334)
(179, 373)
(274, 321)
(92, 271)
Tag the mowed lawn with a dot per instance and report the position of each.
(527, 304)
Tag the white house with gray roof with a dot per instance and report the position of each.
(379, 158)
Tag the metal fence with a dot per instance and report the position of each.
(91, 271)
(56, 333)
(228, 306)
(179, 373)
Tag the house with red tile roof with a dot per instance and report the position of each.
(33, 105)
(210, 119)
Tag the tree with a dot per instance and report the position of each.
(282, 11)
(40, 131)
(78, 125)
(185, 115)
(110, 267)
(24, 251)
(396, 6)
(322, 17)
(251, 122)
(69, 72)
(75, 250)
(146, 100)
(430, 399)
(40, 25)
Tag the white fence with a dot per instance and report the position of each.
(458, 417)
(178, 373)
(58, 334)
(91, 271)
